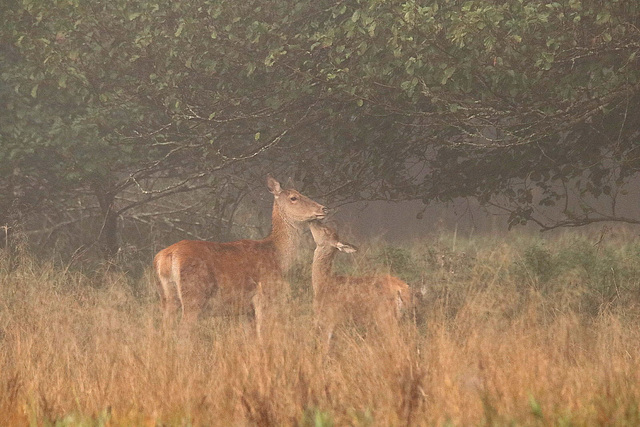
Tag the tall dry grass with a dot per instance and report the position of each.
(517, 332)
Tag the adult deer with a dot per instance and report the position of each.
(378, 298)
(239, 275)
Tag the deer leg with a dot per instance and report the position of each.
(169, 312)
(257, 301)
(168, 300)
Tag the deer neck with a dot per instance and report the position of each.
(321, 268)
(285, 235)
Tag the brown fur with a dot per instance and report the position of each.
(237, 275)
(362, 299)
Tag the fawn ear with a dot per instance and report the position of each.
(273, 185)
(346, 247)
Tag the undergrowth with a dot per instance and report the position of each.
(515, 331)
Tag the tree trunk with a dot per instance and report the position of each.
(108, 235)
(9, 209)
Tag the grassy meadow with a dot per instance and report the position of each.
(516, 330)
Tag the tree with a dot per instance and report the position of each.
(521, 104)
(131, 95)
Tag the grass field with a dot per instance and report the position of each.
(507, 331)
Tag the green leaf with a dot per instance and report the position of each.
(575, 4)
(603, 17)
(536, 409)
(34, 91)
(256, 136)
(372, 29)
(179, 30)
(448, 72)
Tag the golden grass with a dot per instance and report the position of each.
(490, 347)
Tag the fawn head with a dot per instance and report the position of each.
(326, 236)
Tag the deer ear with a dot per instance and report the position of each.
(346, 247)
(273, 185)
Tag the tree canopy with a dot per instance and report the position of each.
(522, 104)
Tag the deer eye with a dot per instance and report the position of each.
(293, 198)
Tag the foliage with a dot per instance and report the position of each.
(517, 99)
(316, 418)
(399, 261)
(525, 105)
(538, 263)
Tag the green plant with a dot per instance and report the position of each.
(314, 417)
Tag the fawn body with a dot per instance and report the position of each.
(362, 299)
